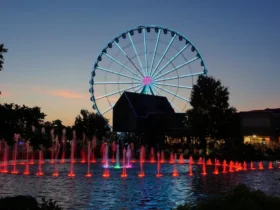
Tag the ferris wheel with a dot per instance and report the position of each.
(149, 60)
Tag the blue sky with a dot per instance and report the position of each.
(53, 44)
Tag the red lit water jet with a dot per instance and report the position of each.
(244, 166)
(142, 155)
(83, 152)
(152, 156)
(224, 167)
(190, 166)
(158, 165)
(270, 166)
(261, 166)
(93, 143)
(181, 159)
(216, 170)
(124, 174)
(231, 165)
(40, 161)
(114, 148)
(26, 171)
(171, 158)
(209, 162)
(200, 161)
(71, 173)
(252, 166)
(88, 174)
(56, 152)
(203, 168)
(16, 137)
(175, 172)
(5, 158)
(162, 160)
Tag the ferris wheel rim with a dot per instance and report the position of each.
(128, 32)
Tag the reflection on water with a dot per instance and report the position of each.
(133, 192)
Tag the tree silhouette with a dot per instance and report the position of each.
(211, 113)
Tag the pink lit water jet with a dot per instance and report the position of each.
(5, 158)
(114, 148)
(15, 150)
(93, 142)
(88, 174)
(191, 162)
(158, 165)
(270, 166)
(224, 167)
(209, 162)
(175, 172)
(124, 174)
(83, 152)
(26, 171)
(63, 142)
(204, 172)
(181, 159)
(244, 166)
(56, 152)
(152, 156)
(142, 155)
(261, 166)
(200, 161)
(71, 173)
(171, 158)
(40, 161)
(162, 160)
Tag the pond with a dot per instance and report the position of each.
(133, 192)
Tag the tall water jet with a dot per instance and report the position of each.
(71, 173)
(152, 156)
(128, 157)
(216, 170)
(142, 155)
(162, 160)
(56, 152)
(204, 172)
(88, 174)
(26, 171)
(114, 148)
(190, 166)
(117, 156)
(106, 172)
(40, 161)
(191, 160)
(106, 161)
(158, 165)
(93, 149)
(15, 150)
(53, 147)
(124, 174)
(175, 172)
(63, 142)
(102, 151)
(83, 152)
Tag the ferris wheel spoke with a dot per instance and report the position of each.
(155, 51)
(151, 90)
(115, 83)
(170, 85)
(172, 59)
(137, 89)
(187, 100)
(116, 92)
(179, 77)
(168, 100)
(129, 60)
(177, 67)
(136, 53)
(124, 66)
(166, 50)
(117, 73)
(145, 49)
(107, 110)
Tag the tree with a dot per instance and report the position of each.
(211, 113)
(90, 124)
(2, 51)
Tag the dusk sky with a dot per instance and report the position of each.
(53, 45)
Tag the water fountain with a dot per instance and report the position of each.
(63, 142)
(224, 167)
(124, 174)
(171, 158)
(56, 152)
(252, 166)
(204, 172)
(175, 172)
(191, 162)
(128, 156)
(83, 153)
(52, 149)
(106, 172)
(88, 174)
(40, 162)
(244, 166)
(26, 171)
(270, 166)
(158, 165)
(72, 161)
(162, 160)
(141, 161)
(114, 147)
(117, 156)
(152, 156)
(16, 137)
(261, 166)
(181, 159)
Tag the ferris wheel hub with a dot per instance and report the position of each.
(147, 80)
